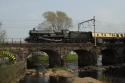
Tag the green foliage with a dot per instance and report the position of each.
(71, 57)
(39, 59)
(34, 61)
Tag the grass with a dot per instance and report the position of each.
(71, 57)
(39, 59)
(43, 59)
(10, 73)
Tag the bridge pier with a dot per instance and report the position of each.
(113, 55)
(54, 58)
(86, 58)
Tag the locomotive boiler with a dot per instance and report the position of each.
(63, 36)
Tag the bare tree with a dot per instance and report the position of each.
(2, 33)
(57, 21)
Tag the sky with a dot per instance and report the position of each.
(20, 16)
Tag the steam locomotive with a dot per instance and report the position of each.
(66, 36)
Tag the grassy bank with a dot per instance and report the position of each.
(10, 73)
(71, 57)
(39, 59)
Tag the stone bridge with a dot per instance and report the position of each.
(87, 53)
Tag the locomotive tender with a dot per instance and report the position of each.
(66, 36)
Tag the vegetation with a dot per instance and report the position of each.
(2, 34)
(34, 61)
(39, 59)
(71, 57)
(10, 73)
(56, 21)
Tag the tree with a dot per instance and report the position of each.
(2, 34)
(57, 21)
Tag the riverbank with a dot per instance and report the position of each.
(58, 73)
(12, 73)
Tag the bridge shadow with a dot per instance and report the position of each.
(54, 59)
(85, 58)
(112, 56)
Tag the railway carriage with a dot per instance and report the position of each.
(109, 37)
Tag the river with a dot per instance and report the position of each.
(112, 75)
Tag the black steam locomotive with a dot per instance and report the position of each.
(64, 36)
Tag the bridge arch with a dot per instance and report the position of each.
(54, 59)
(113, 55)
(37, 59)
(109, 56)
(85, 57)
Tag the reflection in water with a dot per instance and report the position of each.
(88, 74)
(59, 79)
(99, 60)
(92, 73)
(30, 79)
(51, 79)
(73, 66)
(110, 74)
(99, 64)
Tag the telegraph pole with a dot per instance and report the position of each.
(0, 25)
(93, 21)
(94, 31)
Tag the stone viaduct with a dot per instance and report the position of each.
(87, 53)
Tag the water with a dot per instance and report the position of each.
(116, 75)
(30, 79)
(51, 79)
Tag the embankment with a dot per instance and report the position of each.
(12, 73)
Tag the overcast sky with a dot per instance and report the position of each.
(19, 16)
